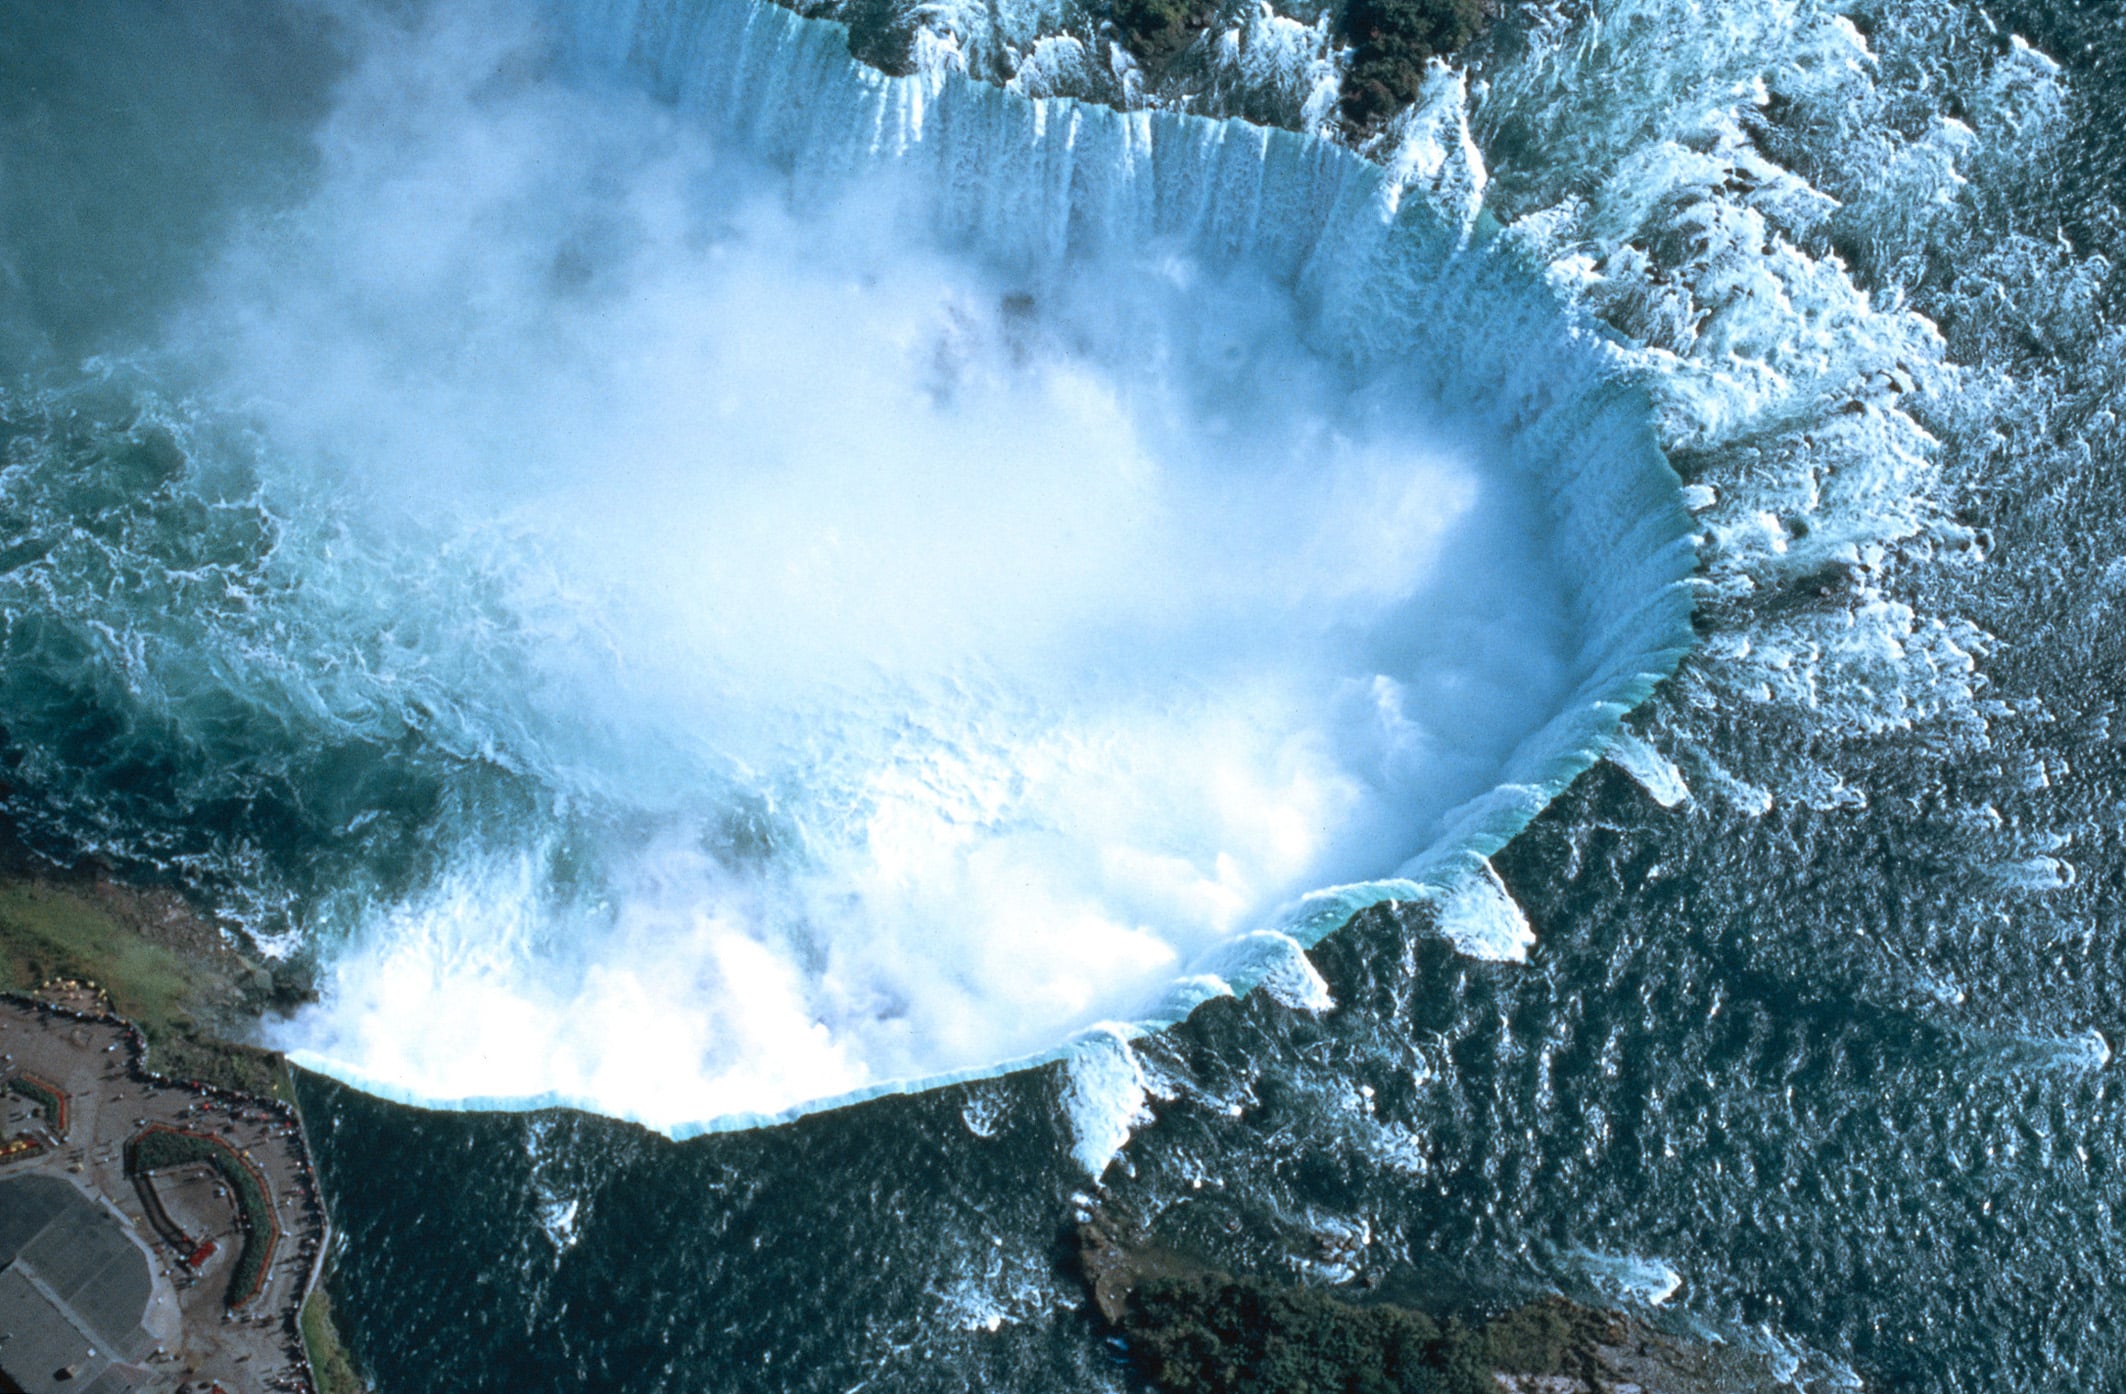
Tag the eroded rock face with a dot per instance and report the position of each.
(1633, 1358)
(1113, 1262)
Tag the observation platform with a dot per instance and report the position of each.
(155, 1235)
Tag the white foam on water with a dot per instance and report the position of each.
(1632, 1277)
(1296, 983)
(1105, 1097)
(1649, 768)
(1481, 918)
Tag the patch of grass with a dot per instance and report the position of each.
(330, 1369)
(182, 1054)
(49, 931)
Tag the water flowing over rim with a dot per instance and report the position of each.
(1325, 221)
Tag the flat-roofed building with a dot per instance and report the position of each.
(77, 1293)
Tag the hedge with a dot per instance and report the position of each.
(161, 1147)
(44, 1096)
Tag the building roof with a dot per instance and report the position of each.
(74, 1287)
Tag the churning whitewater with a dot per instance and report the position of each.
(701, 607)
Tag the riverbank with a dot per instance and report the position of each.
(331, 1369)
(83, 940)
(91, 968)
(1190, 1327)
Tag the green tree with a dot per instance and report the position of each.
(1392, 41)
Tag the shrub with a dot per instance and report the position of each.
(1156, 30)
(1392, 41)
(1213, 1335)
(50, 1100)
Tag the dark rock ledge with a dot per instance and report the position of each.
(1188, 1327)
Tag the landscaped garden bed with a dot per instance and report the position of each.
(159, 1148)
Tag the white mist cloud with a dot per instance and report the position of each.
(1044, 627)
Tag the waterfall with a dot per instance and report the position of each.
(740, 583)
